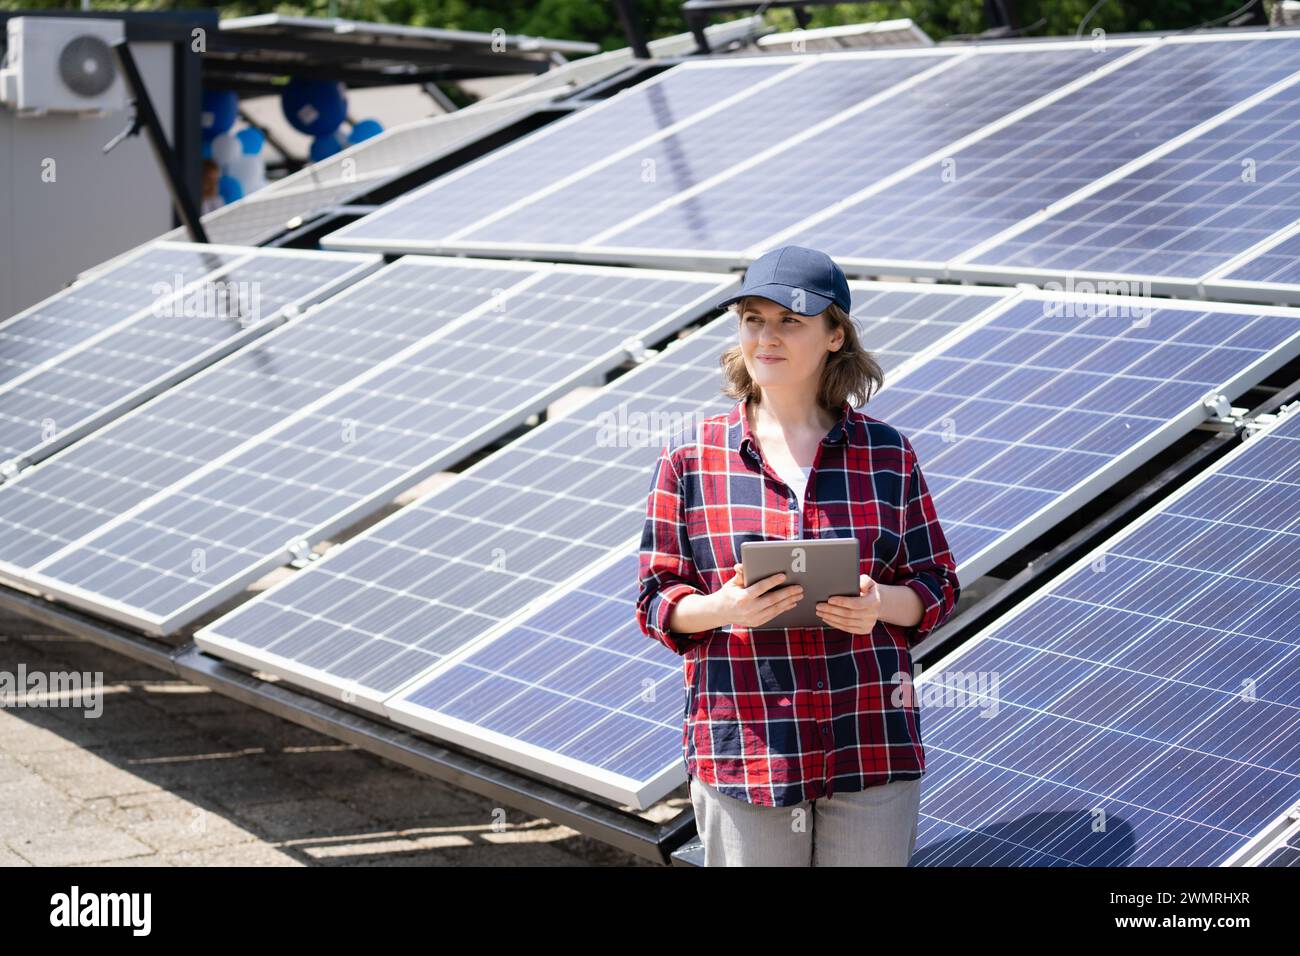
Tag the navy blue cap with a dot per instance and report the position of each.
(779, 275)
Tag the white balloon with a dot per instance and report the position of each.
(250, 170)
(226, 148)
(247, 167)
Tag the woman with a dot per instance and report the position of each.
(802, 745)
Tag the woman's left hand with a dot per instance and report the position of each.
(854, 615)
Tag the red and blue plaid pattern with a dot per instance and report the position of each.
(776, 717)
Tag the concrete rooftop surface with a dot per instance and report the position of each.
(173, 774)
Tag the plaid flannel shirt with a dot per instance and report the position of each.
(776, 717)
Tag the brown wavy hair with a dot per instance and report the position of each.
(849, 374)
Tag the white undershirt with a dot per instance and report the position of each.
(798, 481)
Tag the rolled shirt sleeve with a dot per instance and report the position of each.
(666, 570)
(925, 562)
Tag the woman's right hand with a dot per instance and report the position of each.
(756, 604)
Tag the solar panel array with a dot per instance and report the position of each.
(774, 185)
(1038, 407)
(184, 501)
(1143, 709)
(566, 146)
(1075, 423)
(1051, 396)
(953, 204)
(114, 339)
(675, 187)
(943, 164)
(1146, 709)
(603, 195)
(417, 587)
(1176, 218)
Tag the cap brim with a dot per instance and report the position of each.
(783, 295)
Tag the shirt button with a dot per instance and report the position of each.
(819, 685)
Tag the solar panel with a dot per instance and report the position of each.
(1267, 274)
(1174, 219)
(709, 186)
(188, 498)
(1142, 709)
(767, 192)
(560, 149)
(1033, 413)
(572, 694)
(419, 586)
(113, 362)
(100, 300)
(603, 196)
(952, 204)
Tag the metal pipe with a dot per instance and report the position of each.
(146, 116)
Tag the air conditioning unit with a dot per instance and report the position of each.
(62, 65)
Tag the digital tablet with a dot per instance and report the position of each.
(824, 566)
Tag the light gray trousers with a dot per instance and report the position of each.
(873, 827)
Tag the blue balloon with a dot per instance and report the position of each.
(314, 107)
(364, 130)
(323, 146)
(252, 139)
(220, 107)
(205, 150)
(230, 189)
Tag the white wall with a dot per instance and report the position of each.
(98, 206)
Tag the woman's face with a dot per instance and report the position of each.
(782, 348)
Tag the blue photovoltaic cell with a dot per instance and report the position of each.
(1279, 263)
(606, 197)
(939, 212)
(1185, 214)
(80, 385)
(1042, 398)
(1154, 689)
(459, 199)
(300, 466)
(419, 586)
(574, 680)
(783, 189)
(88, 307)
